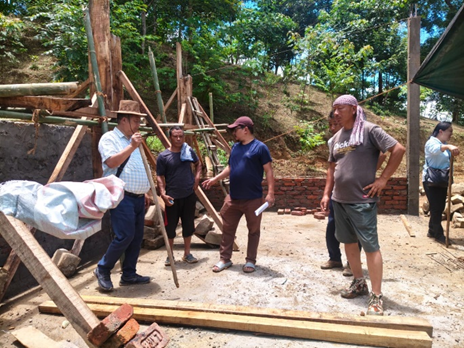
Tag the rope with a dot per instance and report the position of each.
(35, 118)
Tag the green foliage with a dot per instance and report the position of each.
(155, 144)
(10, 39)
(309, 137)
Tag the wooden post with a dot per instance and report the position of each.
(116, 66)
(48, 275)
(211, 110)
(413, 145)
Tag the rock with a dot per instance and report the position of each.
(153, 244)
(213, 238)
(199, 208)
(151, 232)
(66, 262)
(205, 225)
(425, 207)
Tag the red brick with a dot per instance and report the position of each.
(287, 211)
(110, 325)
(280, 211)
(319, 215)
(152, 337)
(124, 335)
(298, 213)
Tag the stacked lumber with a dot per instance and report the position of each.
(388, 331)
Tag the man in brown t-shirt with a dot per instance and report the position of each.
(354, 154)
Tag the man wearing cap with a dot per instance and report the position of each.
(120, 155)
(249, 159)
(177, 184)
(351, 179)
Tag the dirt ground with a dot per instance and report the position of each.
(421, 279)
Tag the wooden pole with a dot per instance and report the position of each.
(48, 275)
(151, 120)
(160, 215)
(413, 145)
(448, 208)
(21, 90)
(96, 73)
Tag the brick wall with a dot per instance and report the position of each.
(291, 193)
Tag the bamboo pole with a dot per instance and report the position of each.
(96, 73)
(211, 111)
(157, 86)
(32, 89)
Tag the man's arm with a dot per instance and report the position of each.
(161, 182)
(270, 183)
(329, 185)
(198, 169)
(222, 175)
(396, 155)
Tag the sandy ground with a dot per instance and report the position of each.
(288, 276)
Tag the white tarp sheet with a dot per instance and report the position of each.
(67, 210)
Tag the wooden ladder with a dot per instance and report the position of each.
(212, 139)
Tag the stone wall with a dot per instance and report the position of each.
(291, 193)
(18, 163)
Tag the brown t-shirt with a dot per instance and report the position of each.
(356, 166)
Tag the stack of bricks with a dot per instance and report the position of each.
(119, 329)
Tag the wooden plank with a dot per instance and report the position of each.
(182, 113)
(116, 65)
(47, 275)
(68, 153)
(80, 89)
(209, 207)
(407, 225)
(171, 99)
(332, 332)
(151, 120)
(30, 337)
(44, 102)
(85, 112)
(387, 322)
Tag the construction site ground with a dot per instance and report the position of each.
(421, 279)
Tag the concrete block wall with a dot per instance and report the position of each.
(307, 192)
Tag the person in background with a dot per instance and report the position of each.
(437, 155)
(333, 245)
(352, 182)
(249, 159)
(120, 155)
(177, 185)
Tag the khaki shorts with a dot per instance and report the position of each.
(357, 222)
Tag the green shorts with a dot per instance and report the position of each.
(357, 222)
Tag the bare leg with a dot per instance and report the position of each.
(375, 267)
(353, 256)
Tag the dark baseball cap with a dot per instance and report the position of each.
(241, 121)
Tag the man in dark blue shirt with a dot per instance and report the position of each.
(249, 159)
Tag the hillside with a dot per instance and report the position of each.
(280, 108)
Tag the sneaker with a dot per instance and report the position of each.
(347, 271)
(357, 288)
(332, 264)
(104, 280)
(167, 262)
(134, 280)
(375, 304)
(190, 259)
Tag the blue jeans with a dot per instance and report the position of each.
(127, 221)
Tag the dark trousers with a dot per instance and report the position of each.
(127, 221)
(437, 201)
(333, 245)
(183, 208)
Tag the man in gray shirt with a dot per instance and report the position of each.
(354, 153)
